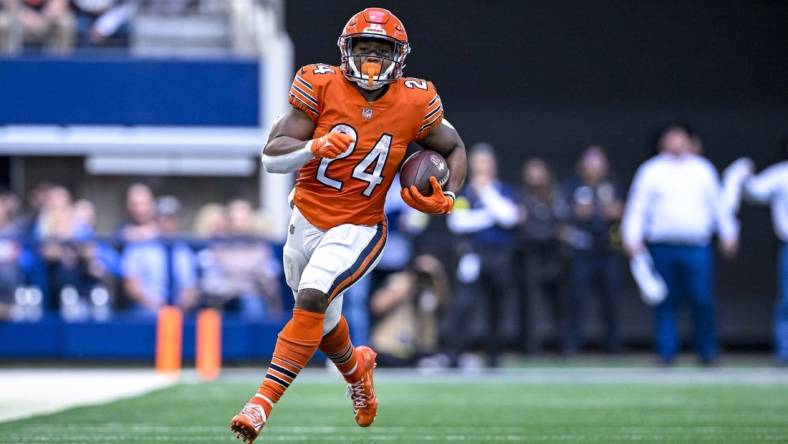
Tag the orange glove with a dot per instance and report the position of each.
(330, 145)
(439, 202)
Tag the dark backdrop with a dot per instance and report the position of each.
(539, 78)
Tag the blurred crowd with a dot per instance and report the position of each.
(544, 248)
(60, 26)
(528, 261)
(52, 261)
(515, 267)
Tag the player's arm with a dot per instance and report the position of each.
(290, 144)
(446, 140)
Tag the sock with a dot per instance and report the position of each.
(337, 346)
(297, 342)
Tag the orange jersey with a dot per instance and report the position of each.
(351, 189)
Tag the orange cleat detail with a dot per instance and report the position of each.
(248, 424)
(362, 392)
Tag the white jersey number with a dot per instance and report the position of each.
(321, 68)
(379, 152)
(377, 156)
(324, 162)
(413, 83)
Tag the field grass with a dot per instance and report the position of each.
(472, 412)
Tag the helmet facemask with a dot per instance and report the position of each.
(377, 78)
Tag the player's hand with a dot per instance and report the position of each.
(439, 202)
(330, 145)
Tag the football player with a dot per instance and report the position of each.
(346, 135)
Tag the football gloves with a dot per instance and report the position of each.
(439, 202)
(330, 145)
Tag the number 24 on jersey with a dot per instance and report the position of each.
(364, 171)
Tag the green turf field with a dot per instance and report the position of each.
(434, 412)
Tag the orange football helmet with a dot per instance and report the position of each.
(377, 23)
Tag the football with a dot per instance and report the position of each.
(418, 168)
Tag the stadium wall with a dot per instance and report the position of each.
(129, 91)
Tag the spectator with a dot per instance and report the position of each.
(31, 262)
(9, 27)
(100, 261)
(771, 186)
(239, 271)
(75, 262)
(541, 259)
(140, 207)
(486, 212)
(407, 307)
(210, 221)
(54, 234)
(10, 273)
(241, 219)
(673, 209)
(36, 198)
(160, 271)
(103, 22)
(47, 22)
(251, 263)
(596, 209)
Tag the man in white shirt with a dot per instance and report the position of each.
(771, 186)
(674, 209)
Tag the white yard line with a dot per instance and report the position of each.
(28, 392)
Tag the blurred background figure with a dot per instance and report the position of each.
(28, 220)
(239, 271)
(771, 187)
(57, 235)
(407, 308)
(162, 270)
(596, 208)
(210, 221)
(11, 276)
(140, 224)
(49, 23)
(674, 208)
(10, 35)
(99, 262)
(485, 214)
(65, 261)
(103, 22)
(541, 265)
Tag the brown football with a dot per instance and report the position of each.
(418, 168)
